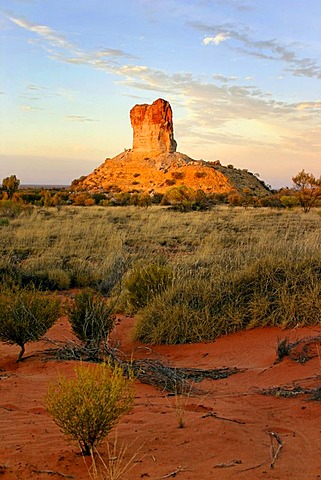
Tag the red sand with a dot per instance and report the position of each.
(226, 433)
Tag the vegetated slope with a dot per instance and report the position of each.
(130, 171)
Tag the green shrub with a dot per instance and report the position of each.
(144, 282)
(91, 318)
(25, 316)
(88, 406)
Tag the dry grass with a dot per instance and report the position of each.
(232, 267)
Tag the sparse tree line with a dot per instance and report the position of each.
(305, 193)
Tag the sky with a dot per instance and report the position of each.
(243, 78)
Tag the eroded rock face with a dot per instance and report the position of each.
(153, 128)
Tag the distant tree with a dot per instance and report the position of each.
(307, 189)
(10, 185)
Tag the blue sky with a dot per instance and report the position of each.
(243, 78)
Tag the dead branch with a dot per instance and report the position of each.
(233, 463)
(213, 414)
(275, 453)
(52, 472)
(174, 473)
(253, 468)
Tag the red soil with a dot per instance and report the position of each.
(226, 433)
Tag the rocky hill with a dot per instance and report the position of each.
(153, 164)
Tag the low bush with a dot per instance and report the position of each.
(145, 281)
(25, 316)
(91, 318)
(88, 406)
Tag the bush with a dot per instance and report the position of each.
(200, 174)
(91, 318)
(88, 406)
(25, 316)
(178, 175)
(144, 282)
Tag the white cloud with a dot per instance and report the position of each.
(219, 38)
(78, 118)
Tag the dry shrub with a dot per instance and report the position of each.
(87, 407)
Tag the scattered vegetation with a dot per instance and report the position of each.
(91, 318)
(88, 406)
(144, 282)
(190, 277)
(25, 316)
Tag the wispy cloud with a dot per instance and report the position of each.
(44, 32)
(236, 4)
(29, 108)
(60, 43)
(40, 92)
(223, 78)
(78, 118)
(270, 49)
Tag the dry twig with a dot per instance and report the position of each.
(275, 453)
(213, 414)
(52, 472)
(174, 473)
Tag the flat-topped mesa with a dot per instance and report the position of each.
(153, 132)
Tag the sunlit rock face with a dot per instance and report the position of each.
(153, 165)
(153, 131)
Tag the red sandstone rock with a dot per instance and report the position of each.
(154, 165)
(153, 128)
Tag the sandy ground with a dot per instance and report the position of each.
(228, 427)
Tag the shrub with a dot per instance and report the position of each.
(59, 278)
(88, 406)
(200, 174)
(25, 316)
(91, 318)
(289, 201)
(144, 282)
(178, 175)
